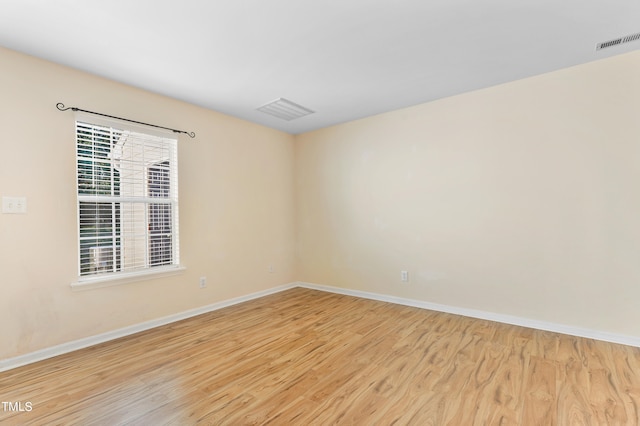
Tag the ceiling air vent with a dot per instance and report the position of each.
(618, 41)
(285, 109)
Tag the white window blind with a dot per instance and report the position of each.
(127, 200)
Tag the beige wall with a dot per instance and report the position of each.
(236, 208)
(521, 199)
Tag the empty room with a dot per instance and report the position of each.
(295, 213)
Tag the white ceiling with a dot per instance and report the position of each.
(344, 59)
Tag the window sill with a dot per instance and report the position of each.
(92, 282)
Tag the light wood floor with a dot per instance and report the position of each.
(305, 357)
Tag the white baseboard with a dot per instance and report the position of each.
(10, 363)
(472, 313)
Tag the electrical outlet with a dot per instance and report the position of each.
(271, 270)
(404, 276)
(203, 282)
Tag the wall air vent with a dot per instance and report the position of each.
(285, 109)
(617, 41)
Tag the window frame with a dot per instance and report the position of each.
(121, 272)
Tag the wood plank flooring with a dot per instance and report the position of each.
(304, 357)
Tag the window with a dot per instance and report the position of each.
(127, 201)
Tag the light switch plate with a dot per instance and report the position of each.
(14, 205)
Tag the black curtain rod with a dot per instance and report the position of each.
(61, 107)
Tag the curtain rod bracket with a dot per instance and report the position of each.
(61, 107)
